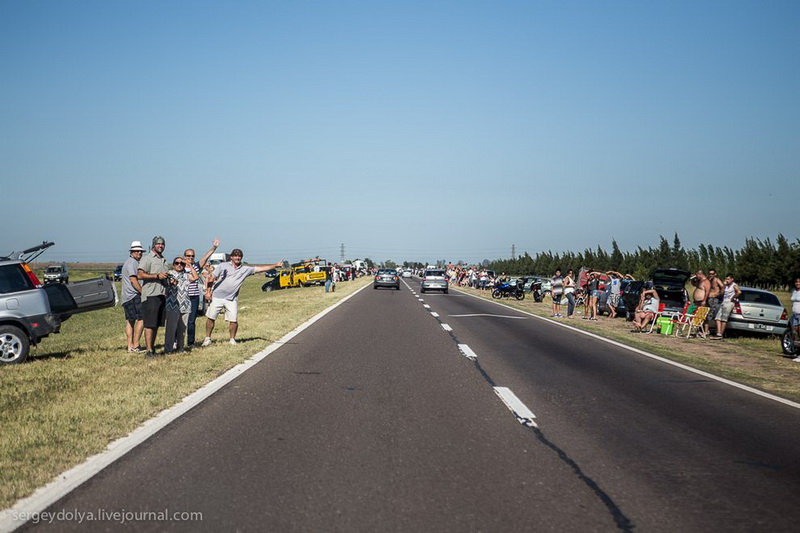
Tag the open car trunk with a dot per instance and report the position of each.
(670, 283)
(80, 297)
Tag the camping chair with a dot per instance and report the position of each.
(682, 318)
(658, 315)
(697, 321)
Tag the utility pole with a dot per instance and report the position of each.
(513, 252)
(341, 254)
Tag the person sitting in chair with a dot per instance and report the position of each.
(647, 308)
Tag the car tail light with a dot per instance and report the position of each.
(737, 309)
(784, 316)
(377, 278)
(31, 276)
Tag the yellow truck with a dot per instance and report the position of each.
(306, 274)
(301, 274)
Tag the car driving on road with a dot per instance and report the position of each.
(434, 279)
(386, 277)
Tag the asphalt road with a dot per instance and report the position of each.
(375, 420)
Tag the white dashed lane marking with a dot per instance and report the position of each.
(467, 351)
(520, 410)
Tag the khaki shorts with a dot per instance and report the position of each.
(231, 308)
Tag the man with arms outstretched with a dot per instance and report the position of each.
(228, 279)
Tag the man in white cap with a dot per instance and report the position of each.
(132, 297)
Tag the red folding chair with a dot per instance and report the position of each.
(681, 319)
(658, 315)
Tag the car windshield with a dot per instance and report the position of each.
(758, 297)
(387, 271)
(53, 269)
(434, 273)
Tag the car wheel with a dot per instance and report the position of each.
(398, 287)
(14, 345)
(422, 290)
(787, 342)
(267, 287)
(445, 291)
(374, 286)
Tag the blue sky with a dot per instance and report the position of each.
(403, 130)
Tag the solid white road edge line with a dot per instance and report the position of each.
(520, 410)
(491, 315)
(467, 351)
(703, 373)
(67, 481)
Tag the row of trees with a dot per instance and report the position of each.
(766, 264)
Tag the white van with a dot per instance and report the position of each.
(217, 258)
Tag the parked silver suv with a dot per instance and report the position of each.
(434, 279)
(30, 312)
(56, 274)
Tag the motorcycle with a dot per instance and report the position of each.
(536, 291)
(507, 290)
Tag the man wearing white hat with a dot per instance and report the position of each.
(132, 297)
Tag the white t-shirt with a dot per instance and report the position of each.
(796, 301)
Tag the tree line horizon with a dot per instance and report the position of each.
(759, 263)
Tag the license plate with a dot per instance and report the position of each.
(762, 327)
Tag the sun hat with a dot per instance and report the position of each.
(136, 246)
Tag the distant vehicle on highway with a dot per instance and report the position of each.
(386, 277)
(56, 274)
(434, 279)
(118, 273)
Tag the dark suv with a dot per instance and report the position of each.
(30, 311)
